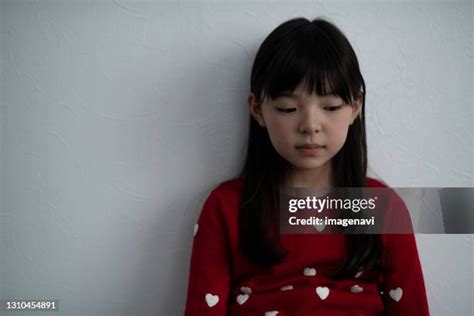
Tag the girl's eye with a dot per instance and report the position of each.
(286, 110)
(333, 108)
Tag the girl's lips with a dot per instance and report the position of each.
(310, 146)
(310, 151)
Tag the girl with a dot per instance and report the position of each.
(307, 129)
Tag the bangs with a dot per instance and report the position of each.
(312, 59)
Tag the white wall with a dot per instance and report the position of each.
(118, 117)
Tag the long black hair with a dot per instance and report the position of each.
(319, 55)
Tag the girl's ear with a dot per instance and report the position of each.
(356, 108)
(255, 109)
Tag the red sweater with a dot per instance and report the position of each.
(224, 282)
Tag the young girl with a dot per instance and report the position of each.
(307, 129)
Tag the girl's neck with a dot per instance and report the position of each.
(312, 178)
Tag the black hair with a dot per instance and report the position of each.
(319, 56)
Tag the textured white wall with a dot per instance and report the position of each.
(118, 117)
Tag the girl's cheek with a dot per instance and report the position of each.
(338, 135)
(283, 121)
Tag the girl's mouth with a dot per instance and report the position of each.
(310, 149)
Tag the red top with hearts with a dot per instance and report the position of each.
(223, 282)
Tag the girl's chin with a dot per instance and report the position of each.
(308, 165)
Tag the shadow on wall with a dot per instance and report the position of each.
(457, 208)
(440, 210)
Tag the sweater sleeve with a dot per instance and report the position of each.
(209, 272)
(404, 290)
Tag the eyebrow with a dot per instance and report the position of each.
(287, 94)
(294, 96)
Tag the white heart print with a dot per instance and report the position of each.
(246, 290)
(319, 228)
(271, 313)
(323, 292)
(212, 300)
(196, 227)
(242, 298)
(309, 271)
(396, 294)
(286, 288)
(356, 289)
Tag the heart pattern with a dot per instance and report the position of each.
(246, 290)
(271, 313)
(196, 227)
(211, 299)
(396, 294)
(356, 289)
(309, 271)
(286, 288)
(242, 298)
(319, 228)
(323, 292)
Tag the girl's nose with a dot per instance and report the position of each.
(310, 123)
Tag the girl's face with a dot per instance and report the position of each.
(296, 119)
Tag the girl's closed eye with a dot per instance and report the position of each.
(333, 108)
(330, 108)
(286, 110)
